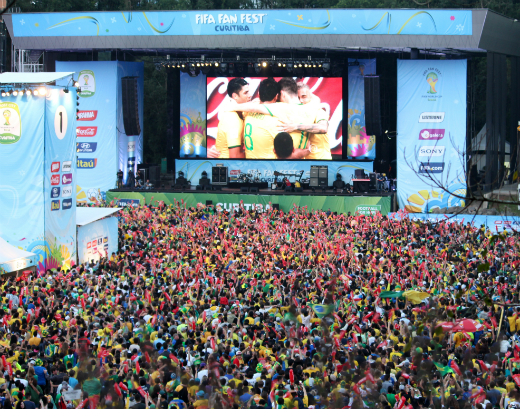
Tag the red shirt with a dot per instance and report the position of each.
(224, 301)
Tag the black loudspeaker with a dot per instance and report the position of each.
(323, 176)
(373, 180)
(219, 175)
(314, 180)
(372, 106)
(154, 174)
(276, 206)
(360, 173)
(244, 189)
(130, 106)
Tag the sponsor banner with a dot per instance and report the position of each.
(431, 124)
(87, 83)
(368, 210)
(86, 147)
(340, 204)
(264, 170)
(11, 123)
(359, 143)
(495, 224)
(309, 21)
(87, 115)
(60, 143)
(86, 131)
(83, 163)
(55, 192)
(97, 239)
(55, 167)
(127, 202)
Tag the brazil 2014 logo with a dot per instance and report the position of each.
(432, 79)
(87, 83)
(10, 124)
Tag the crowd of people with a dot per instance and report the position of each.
(206, 308)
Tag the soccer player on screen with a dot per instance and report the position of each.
(319, 142)
(230, 133)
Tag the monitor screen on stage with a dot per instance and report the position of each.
(274, 118)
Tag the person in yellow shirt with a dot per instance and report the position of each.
(230, 133)
(319, 143)
(259, 129)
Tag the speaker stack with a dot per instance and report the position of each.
(372, 106)
(219, 175)
(323, 176)
(373, 181)
(130, 106)
(314, 181)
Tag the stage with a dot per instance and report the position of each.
(230, 198)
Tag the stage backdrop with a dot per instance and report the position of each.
(97, 239)
(102, 145)
(193, 116)
(431, 134)
(37, 141)
(360, 144)
(265, 169)
(342, 204)
(60, 177)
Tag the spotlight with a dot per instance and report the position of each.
(7, 94)
(279, 64)
(3, 93)
(290, 67)
(36, 93)
(76, 84)
(42, 91)
(66, 90)
(198, 64)
(28, 92)
(223, 67)
(15, 93)
(326, 67)
(264, 64)
(216, 64)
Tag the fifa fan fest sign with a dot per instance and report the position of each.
(431, 134)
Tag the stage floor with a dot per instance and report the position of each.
(225, 190)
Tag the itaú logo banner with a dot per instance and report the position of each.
(87, 163)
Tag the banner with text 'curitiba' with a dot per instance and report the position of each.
(245, 22)
(264, 169)
(431, 134)
(365, 205)
(60, 177)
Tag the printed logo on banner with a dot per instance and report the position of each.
(87, 83)
(66, 204)
(431, 151)
(368, 210)
(86, 147)
(94, 243)
(128, 202)
(55, 167)
(60, 122)
(86, 163)
(55, 192)
(431, 167)
(105, 239)
(55, 205)
(66, 179)
(55, 180)
(86, 131)
(89, 245)
(67, 166)
(66, 191)
(10, 124)
(100, 241)
(431, 134)
(131, 146)
(87, 115)
(432, 76)
(434, 117)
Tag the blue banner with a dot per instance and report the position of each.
(130, 146)
(96, 127)
(360, 145)
(496, 224)
(60, 177)
(193, 116)
(431, 134)
(97, 239)
(245, 22)
(22, 150)
(264, 170)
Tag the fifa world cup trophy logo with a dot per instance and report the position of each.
(432, 79)
(85, 78)
(7, 115)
